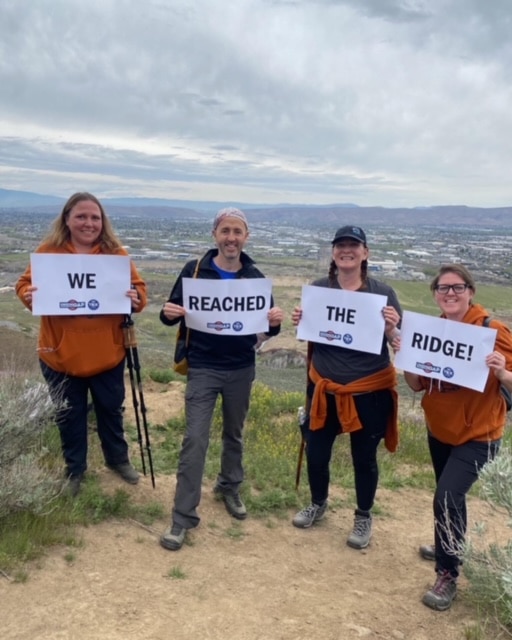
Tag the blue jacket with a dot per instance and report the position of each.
(207, 350)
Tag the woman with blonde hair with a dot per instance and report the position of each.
(84, 354)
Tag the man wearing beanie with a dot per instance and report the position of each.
(217, 365)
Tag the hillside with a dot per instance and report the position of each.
(461, 216)
(261, 579)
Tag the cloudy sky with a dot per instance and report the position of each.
(374, 102)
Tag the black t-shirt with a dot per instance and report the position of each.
(346, 365)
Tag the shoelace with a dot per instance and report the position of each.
(237, 500)
(176, 530)
(361, 525)
(443, 583)
(310, 511)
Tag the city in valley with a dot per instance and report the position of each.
(290, 250)
(283, 245)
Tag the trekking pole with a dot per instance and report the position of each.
(132, 360)
(303, 420)
(135, 402)
(301, 416)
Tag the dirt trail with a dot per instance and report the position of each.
(261, 579)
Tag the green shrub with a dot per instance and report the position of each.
(27, 481)
(489, 569)
(164, 376)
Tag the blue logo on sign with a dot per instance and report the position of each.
(347, 338)
(238, 326)
(448, 372)
(93, 304)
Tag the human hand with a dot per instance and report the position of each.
(296, 316)
(396, 343)
(391, 319)
(275, 316)
(172, 311)
(134, 297)
(496, 361)
(27, 296)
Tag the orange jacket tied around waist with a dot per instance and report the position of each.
(345, 405)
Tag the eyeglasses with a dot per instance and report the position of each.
(457, 288)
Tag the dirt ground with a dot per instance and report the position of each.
(261, 579)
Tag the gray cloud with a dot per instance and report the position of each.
(378, 102)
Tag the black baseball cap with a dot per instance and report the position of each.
(354, 233)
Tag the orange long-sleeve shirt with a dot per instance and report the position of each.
(81, 345)
(454, 414)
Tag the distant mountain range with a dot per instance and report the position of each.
(23, 199)
(18, 199)
(459, 216)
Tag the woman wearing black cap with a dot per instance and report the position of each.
(350, 379)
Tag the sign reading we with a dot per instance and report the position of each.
(80, 284)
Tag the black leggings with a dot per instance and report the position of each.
(107, 391)
(374, 410)
(456, 469)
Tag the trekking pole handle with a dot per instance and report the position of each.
(130, 340)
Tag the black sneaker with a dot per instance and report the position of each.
(443, 593)
(233, 503)
(172, 538)
(74, 485)
(126, 471)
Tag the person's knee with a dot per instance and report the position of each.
(365, 466)
(446, 503)
(318, 459)
(194, 443)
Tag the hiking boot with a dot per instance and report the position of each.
(442, 594)
(74, 485)
(309, 515)
(427, 551)
(172, 538)
(126, 471)
(233, 503)
(362, 530)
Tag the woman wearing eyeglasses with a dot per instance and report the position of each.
(465, 428)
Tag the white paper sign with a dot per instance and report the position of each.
(80, 284)
(350, 319)
(228, 307)
(445, 349)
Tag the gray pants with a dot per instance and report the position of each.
(203, 388)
